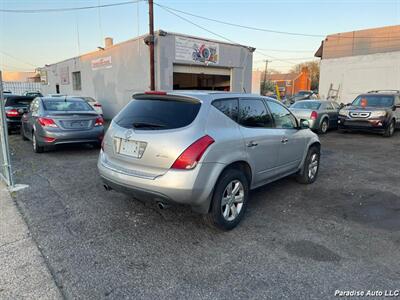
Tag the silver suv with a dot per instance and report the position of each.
(206, 150)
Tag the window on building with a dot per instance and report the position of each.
(76, 81)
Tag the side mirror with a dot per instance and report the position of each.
(304, 124)
(394, 107)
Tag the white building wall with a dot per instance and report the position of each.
(360, 74)
(112, 86)
(129, 70)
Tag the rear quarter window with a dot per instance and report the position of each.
(230, 107)
(157, 114)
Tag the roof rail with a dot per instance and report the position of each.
(385, 91)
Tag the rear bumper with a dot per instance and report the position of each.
(188, 187)
(92, 135)
(13, 123)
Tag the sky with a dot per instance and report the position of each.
(33, 40)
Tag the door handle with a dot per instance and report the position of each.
(284, 140)
(251, 144)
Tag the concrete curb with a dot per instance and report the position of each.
(23, 271)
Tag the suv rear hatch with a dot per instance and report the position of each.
(150, 133)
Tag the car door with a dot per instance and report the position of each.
(291, 139)
(332, 113)
(261, 140)
(32, 114)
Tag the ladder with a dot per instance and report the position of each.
(333, 94)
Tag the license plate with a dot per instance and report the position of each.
(132, 148)
(78, 124)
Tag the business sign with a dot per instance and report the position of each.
(101, 63)
(195, 50)
(64, 75)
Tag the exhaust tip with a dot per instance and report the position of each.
(162, 205)
(107, 187)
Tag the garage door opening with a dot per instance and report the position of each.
(187, 81)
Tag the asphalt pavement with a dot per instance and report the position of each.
(296, 241)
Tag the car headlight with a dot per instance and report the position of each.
(343, 112)
(378, 114)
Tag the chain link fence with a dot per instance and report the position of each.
(19, 88)
(5, 161)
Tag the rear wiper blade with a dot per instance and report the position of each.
(146, 124)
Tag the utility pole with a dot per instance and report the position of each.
(151, 45)
(265, 73)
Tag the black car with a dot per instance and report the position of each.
(377, 111)
(15, 107)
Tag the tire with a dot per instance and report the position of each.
(389, 131)
(36, 147)
(323, 128)
(96, 145)
(309, 171)
(9, 131)
(24, 138)
(220, 215)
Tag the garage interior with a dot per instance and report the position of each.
(201, 78)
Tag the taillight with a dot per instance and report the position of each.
(12, 113)
(191, 156)
(47, 122)
(49, 139)
(314, 115)
(97, 105)
(99, 121)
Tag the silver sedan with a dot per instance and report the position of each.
(54, 121)
(320, 114)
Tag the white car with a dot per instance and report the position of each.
(92, 102)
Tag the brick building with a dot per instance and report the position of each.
(291, 83)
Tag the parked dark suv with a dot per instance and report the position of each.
(15, 107)
(377, 111)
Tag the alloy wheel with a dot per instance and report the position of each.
(324, 127)
(313, 166)
(232, 200)
(391, 128)
(34, 141)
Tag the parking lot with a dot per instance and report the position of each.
(296, 241)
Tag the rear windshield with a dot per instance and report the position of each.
(374, 100)
(306, 105)
(156, 114)
(18, 101)
(34, 94)
(66, 105)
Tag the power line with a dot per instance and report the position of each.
(17, 59)
(285, 50)
(45, 10)
(270, 30)
(239, 25)
(14, 67)
(197, 25)
(219, 35)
